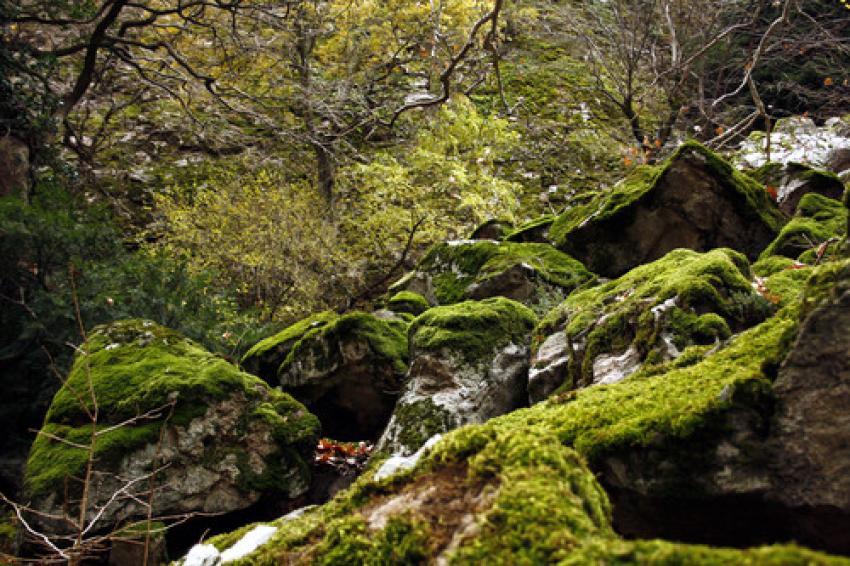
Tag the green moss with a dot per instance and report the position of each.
(408, 302)
(134, 367)
(455, 266)
(754, 202)
(544, 504)
(386, 338)
(531, 230)
(551, 265)
(402, 541)
(713, 298)
(663, 553)
(817, 219)
(284, 339)
(473, 329)
(420, 420)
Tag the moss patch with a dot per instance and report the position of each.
(279, 344)
(533, 231)
(473, 329)
(817, 219)
(408, 302)
(713, 297)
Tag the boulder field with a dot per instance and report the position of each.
(660, 375)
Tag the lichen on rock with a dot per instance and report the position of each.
(694, 200)
(650, 315)
(227, 437)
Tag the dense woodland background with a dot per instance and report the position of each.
(225, 167)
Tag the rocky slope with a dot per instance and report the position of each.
(526, 409)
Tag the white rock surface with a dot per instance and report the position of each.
(398, 463)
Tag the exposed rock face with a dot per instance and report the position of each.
(818, 220)
(228, 439)
(695, 200)
(651, 315)
(347, 369)
(792, 181)
(492, 230)
(469, 363)
(799, 140)
(536, 275)
(810, 432)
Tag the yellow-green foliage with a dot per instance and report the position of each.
(713, 296)
(817, 219)
(447, 178)
(133, 367)
(263, 236)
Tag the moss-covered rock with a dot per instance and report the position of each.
(792, 181)
(534, 274)
(347, 369)
(468, 364)
(817, 220)
(494, 229)
(408, 302)
(518, 490)
(694, 200)
(227, 437)
(536, 230)
(650, 315)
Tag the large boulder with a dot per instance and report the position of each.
(347, 369)
(534, 274)
(469, 363)
(809, 438)
(792, 181)
(695, 200)
(684, 303)
(171, 418)
(818, 220)
(762, 451)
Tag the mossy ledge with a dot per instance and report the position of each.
(451, 268)
(817, 220)
(386, 337)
